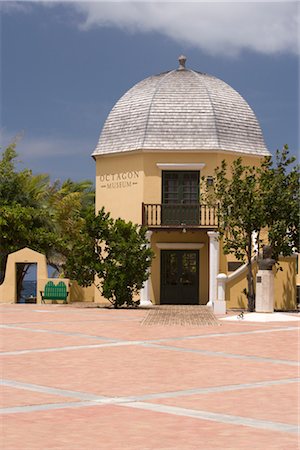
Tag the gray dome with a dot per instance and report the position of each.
(181, 110)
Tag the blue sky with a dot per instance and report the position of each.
(64, 65)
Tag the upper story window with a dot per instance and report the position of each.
(180, 187)
(180, 198)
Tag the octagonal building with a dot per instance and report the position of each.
(159, 139)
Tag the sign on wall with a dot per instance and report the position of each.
(119, 180)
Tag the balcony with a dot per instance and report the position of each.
(161, 215)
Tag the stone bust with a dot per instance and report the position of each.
(266, 262)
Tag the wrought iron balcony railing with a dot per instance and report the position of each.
(158, 215)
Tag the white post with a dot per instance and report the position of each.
(145, 291)
(264, 301)
(220, 303)
(214, 247)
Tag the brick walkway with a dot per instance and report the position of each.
(94, 379)
(187, 316)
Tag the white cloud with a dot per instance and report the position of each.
(218, 27)
(11, 7)
(224, 28)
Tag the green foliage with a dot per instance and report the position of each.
(69, 203)
(279, 183)
(240, 207)
(58, 220)
(24, 219)
(251, 199)
(115, 252)
(47, 217)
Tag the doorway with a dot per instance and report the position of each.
(26, 280)
(179, 277)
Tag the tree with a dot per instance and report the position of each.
(69, 203)
(252, 199)
(24, 219)
(279, 182)
(47, 217)
(113, 252)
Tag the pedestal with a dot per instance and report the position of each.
(219, 308)
(264, 299)
(220, 303)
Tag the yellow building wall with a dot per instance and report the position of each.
(153, 174)
(125, 181)
(119, 186)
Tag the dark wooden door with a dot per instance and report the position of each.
(180, 198)
(179, 277)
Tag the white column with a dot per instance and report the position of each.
(214, 247)
(145, 291)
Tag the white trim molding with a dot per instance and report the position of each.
(180, 166)
(179, 245)
(214, 249)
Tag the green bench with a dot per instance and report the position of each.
(54, 292)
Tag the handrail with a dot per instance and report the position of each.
(178, 215)
(239, 271)
(223, 279)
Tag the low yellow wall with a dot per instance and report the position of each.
(284, 287)
(76, 293)
(235, 299)
(41, 283)
(81, 294)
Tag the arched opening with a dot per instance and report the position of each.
(26, 282)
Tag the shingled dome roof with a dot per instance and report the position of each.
(181, 110)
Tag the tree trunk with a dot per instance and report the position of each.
(250, 279)
(251, 295)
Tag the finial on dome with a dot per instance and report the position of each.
(182, 60)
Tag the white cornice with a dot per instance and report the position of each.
(180, 166)
(222, 152)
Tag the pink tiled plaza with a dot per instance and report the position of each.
(98, 378)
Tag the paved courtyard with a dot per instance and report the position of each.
(96, 378)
